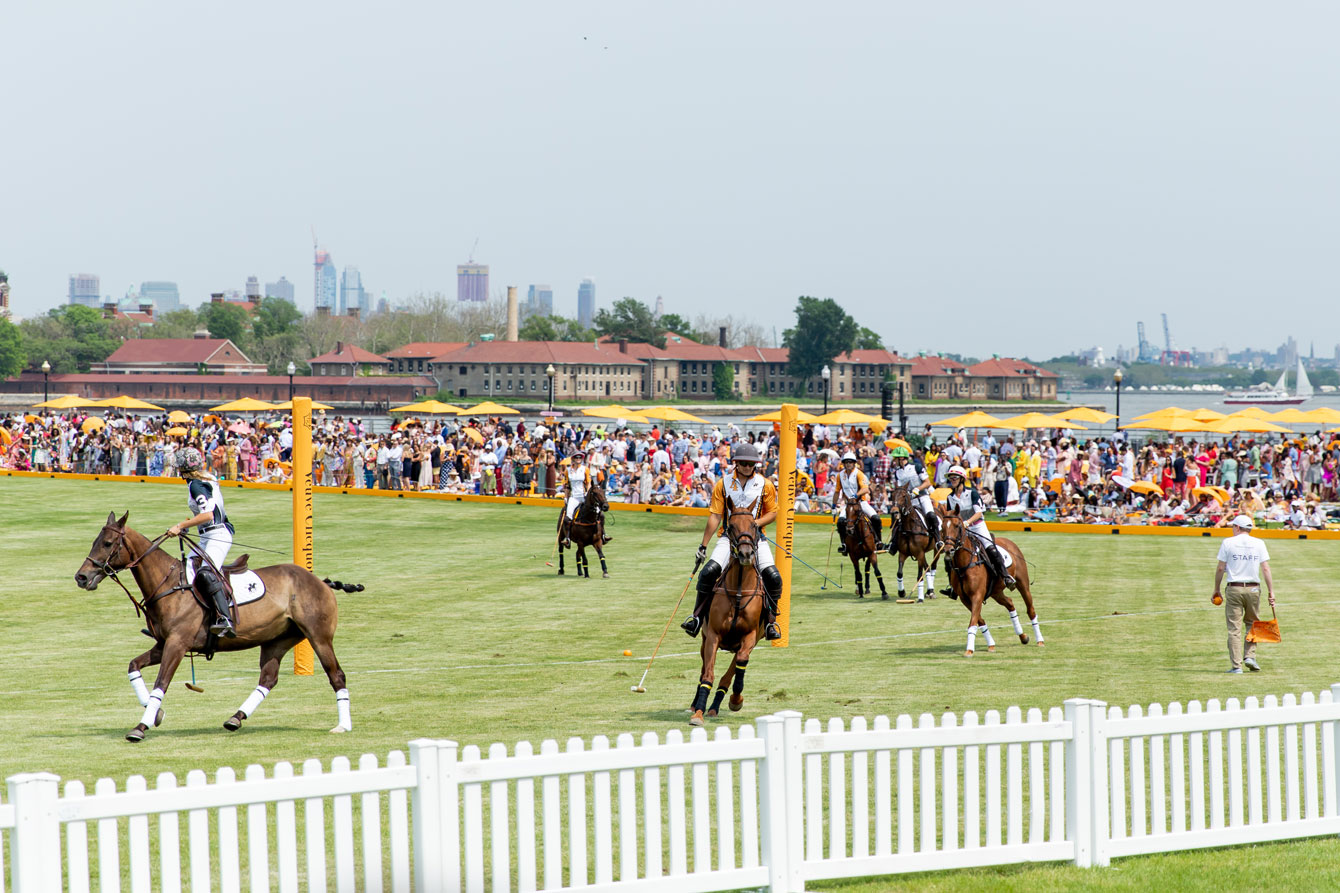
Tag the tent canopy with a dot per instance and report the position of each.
(246, 404)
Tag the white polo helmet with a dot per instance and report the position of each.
(1244, 522)
(849, 456)
(958, 470)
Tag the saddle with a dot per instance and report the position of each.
(237, 567)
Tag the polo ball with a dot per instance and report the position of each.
(628, 654)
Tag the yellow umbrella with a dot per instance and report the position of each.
(178, 415)
(1146, 487)
(288, 404)
(1292, 414)
(613, 411)
(1056, 485)
(125, 401)
(176, 431)
(1084, 414)
(974, 419)
(92, 424)
(430, 407)
(940, 494)
(1218, 493)
(801, 416)
(1207, 415)
(669, 414)
(473, 434)
(488, 407)
(848, 417)
(1038, 420)
(246, 404)
(1174, 410)
(1178, 423)
(1254, 412)
(1232, 425)
(1324, 415)
(898, 442)
(5, 437)
(69, 401)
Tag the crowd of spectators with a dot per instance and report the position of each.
(1056, 477)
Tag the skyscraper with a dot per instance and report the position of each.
(4, 295)
(253, 289)
(352, 293)
(84, 289)
(472, 282)
(281, 289)
(540, 301)
(586, 302)
(324, 284)
(165, 296)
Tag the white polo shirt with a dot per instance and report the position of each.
(1242, 556)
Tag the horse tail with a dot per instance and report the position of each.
(343, 587)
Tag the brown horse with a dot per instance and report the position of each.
(296, 606)
(859, 539)
(974, 581)
(585, 530)
(734, 616)
(909, 537)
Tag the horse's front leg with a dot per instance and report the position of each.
(974, 621)
(604, 569)
(856, 573)
(709, 652)
(721, 688)
(172, 652)
(883, 590)
(149, 658)
(741, 664)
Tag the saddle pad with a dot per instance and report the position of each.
(247, 587)
(1005, 558)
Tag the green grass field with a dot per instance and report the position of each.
(463, 633)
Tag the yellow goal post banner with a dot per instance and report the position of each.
(304, 659)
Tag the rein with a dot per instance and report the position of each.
(142, 604)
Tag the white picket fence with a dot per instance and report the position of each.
(775, 805)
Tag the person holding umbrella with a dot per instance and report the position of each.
(1243, 558)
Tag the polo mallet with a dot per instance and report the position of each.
(191, 685)
(640, 688)
(552, 551)
(827, 561)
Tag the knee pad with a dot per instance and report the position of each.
(772, 580)
(707, 578)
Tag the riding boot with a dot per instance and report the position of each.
(998, 562)
(707, 581)
(212, 587)
(772, 587)
(879, 531)
(603, 537)
(933, 526)
(842, 536)
(565, 528)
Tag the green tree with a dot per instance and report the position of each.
(225, 320)
(822, 331)
(13, 356)
(868, 339)
(180, 323)
(275, 316)
(630, 320)
(71, 338)
(553, 328)
(723, 381)
(673, 322)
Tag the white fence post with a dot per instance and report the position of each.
(1100, 783)
(1078, 786)
(436, 811)
(34, 844)
(772, 800)
(1335, 750)
(795, 798)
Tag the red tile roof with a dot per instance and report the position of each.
(561, 352)
(878, 357)
(1007, 367)
(167, 351)
(428, 349)
(936, 366)
(348, 353)
(242, 381)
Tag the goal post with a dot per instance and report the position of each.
(786, 517)
(304, 659)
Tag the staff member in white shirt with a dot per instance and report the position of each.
(1242, 557)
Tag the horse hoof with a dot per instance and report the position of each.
(711, 713)
(158, 718)
(736, 703)
(340, 730)
(605, 574)
(234, 722)
(1023, 638)
(137, 734)
(696, 719)
(560, 573)
(884, 596)
(1041, 643)
(967, 654)
(991, 649)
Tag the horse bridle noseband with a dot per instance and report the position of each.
(110, 573)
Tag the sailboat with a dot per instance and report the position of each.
(1274, 396)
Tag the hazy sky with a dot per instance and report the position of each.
(980, 177)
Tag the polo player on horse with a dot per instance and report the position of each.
(966, 502)
(853, 487)
(910, 474)
(750, 491)
(578, 481)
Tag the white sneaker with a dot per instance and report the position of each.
(1251, 664)
(1236, 671)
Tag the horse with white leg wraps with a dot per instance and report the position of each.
(295, 605)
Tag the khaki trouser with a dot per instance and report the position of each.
(1240, 606)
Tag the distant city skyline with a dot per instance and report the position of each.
(586, 302)
(472, 282)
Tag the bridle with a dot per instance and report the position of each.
(592, 504)
(109, 572)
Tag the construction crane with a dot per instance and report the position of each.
(472, 250)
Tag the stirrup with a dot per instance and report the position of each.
(223, 627)
(948, 590)
(605, 538)
(771, 632)
(692, 625)
(842, 549)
